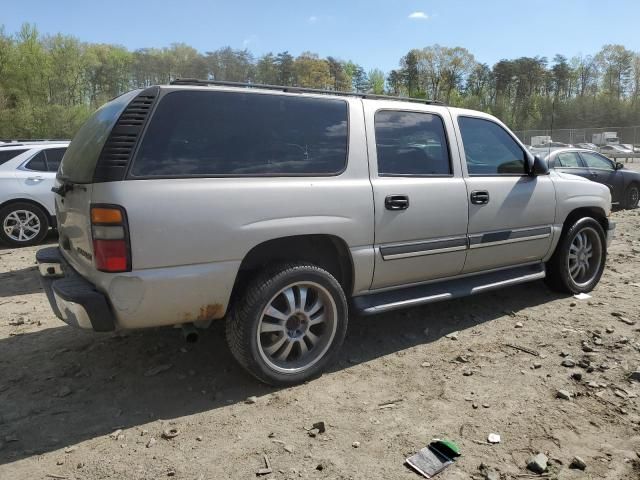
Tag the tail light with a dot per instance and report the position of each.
(110, 233)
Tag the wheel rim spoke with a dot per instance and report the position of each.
(275, 313)
(303, 347)
(291, 300)
(312, 337)
(267, 327)
(276, 346)
(303, 297)
(286, 351)
(315, 308)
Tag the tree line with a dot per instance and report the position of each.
(49, 84)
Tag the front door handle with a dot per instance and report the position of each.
(396, 202)
(480, 197)
(37, 178)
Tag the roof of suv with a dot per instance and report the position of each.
(290, 89)
(32, 145)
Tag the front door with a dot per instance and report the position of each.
(510, 212)
(420, 197)
(603, 170)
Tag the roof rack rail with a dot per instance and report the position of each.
(283, 88)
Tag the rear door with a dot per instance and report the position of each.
(602, 170)
(510, 212)
(570, 162)
(421, 210)
(36, 180)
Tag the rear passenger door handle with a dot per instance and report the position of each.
(480, 197)
(396, 202)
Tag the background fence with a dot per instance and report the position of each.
(629, 135)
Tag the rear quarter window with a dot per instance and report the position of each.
(79, 161)
(199, 133)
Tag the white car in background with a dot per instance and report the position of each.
(27, 174)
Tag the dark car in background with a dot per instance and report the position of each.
(624, 184)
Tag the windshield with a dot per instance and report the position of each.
(79, 162)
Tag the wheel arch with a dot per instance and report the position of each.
(323, 250)
(31, 201)
(596, 213)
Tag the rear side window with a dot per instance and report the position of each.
(6, 155)
(411, 143)
(489, 149)
(38, 162)
(567, 159)
(54, 157)
(223, 133)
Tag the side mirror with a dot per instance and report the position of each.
(536, 165)
(619, 166)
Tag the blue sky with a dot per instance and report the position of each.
(371, 32)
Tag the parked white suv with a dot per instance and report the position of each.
(285, 209)
(27, 174)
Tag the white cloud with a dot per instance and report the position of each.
(418, 16)
(249, 40)
(312, 19)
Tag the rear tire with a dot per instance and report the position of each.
(289, 324)
(632, 196)
(23, 224)
(578, 261)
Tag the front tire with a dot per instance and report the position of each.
(632, 196)
(289, 324)
(23, 224)
(578, 261)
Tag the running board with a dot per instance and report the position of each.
(434, 292)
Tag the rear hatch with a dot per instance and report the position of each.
(100, 152)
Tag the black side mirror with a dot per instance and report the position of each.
(536, 165)
(619, 166)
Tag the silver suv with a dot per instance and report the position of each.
(285, 209)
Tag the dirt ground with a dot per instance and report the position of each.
(82, 405)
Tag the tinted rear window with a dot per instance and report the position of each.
(411, 143)
(54, 157)
(6, 155)
(224, 133)
(79, 161)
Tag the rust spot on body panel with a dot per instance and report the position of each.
(212, 311)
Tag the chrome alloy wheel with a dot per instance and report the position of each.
(21, 225)
(585, 255)
(297, 327)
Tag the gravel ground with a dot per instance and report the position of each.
(82, 405)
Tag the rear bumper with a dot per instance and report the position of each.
(73, 299)
(611, 229)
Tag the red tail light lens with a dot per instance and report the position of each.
(111, 255)
(110, 232)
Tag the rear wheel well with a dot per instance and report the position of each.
(32, 202)
(594, 212)
(325, 251)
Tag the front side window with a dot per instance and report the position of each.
(593, 160)
(38, 163)
(567, 159)
(228, 133)
(6, 155)
(411, 143)
(489, 149)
